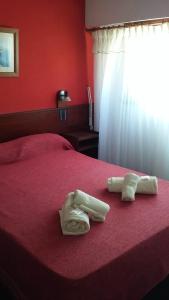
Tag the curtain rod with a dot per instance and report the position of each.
(130, 24)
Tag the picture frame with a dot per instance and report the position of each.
(9, 52)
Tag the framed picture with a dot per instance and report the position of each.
(9, 52)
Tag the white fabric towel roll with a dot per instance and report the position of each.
(74, 221)
(115, 184)
(146, 184)
(129, 187)
(96, 209)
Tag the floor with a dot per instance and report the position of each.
(160, 292)
(5, 294)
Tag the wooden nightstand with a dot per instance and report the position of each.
(85, 142)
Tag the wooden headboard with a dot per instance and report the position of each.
(14, 125)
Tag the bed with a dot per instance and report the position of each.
(122, 258)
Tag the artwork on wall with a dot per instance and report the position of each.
(9, 52)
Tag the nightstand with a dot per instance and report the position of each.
(85, 142)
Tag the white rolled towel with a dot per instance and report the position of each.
(146, 184)
(74, 221)
(129, 187)
(95, 208)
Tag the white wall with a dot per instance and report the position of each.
(105, 12)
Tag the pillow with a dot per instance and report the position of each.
(31, 146)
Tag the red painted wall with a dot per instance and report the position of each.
(52, 53)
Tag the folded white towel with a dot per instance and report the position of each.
(145, 185)
(74, 221)
(129, 187)
(96, 209)
(115, 184)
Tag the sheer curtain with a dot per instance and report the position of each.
(132, 97)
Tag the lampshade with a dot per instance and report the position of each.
(62, 95)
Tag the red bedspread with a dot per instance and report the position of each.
(122, 258)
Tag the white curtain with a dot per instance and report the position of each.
(132, 97)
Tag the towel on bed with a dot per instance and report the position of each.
(129, 187)
(146, 184)
(74, 221)
(95, 208)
